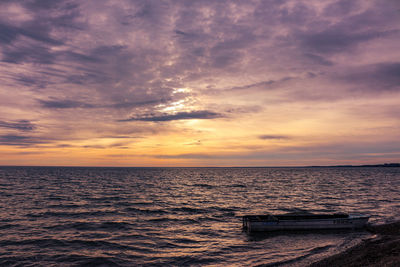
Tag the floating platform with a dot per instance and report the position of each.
(286, 222)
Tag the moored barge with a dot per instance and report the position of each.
(283, 222)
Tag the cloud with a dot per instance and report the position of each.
(347, 25)
(339, 152)
(374, 77)
(273, 137)
(387, 75)
(63, 104)
(336, 40)
(132, 104)
(262, 85)
(318, 59)
(200, 114)
(19, 140)
(26, 52)
(80, 57)
(37, 38)
(186, 156)
(81, 68)
(341, 8)
(9, 34)
(46, 5)
(71, 104)
(21, 125)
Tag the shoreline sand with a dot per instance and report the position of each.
(381, 250)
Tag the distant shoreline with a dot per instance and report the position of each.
(385, 165)
(358, 166)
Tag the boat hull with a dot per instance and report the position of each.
(254, 225)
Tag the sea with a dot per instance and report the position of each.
(80, 216)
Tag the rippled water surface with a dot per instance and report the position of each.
(58, 216)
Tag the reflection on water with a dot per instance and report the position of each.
(179, 216)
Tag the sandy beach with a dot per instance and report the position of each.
(381, 250)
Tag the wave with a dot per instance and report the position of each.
(207, 186)
(145, 211)
(92, 226)
(71, 214)
(307, 254)
(9, 226)
(73, 259)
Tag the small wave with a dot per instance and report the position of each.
(319, 249)
(115, 226)
(45, 242)
(97, 244)
(145, 211)
(303, 211)
(206, 210)
(185, 241)
(308, 254)
(105, 199)
(189, 261)
(70, 214)
(223, 209)
(63, 243)
(189, 210)
(81, 260)
(56, 198)
(100, 261)
(130, 204)
(89, 226)
(208, 186)
(69, 259)
(237, 185)
(223, 216)
(65, 206)
(166, 219)
(9, 226)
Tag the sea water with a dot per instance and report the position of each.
(76, 216)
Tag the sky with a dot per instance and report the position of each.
(199, 83)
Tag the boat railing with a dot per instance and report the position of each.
(293, 217)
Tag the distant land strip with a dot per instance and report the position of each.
(373, 165)
(312, 166)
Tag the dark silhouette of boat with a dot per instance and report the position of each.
(283, 222)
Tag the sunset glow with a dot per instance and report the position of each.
(199, 83)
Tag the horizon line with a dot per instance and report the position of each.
(393, 164)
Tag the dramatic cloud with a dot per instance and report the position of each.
(67, 104)
(22, 125)
(187, 156)
(10, 33)
(376, 77)
(263, 84)
(336, 40)
(200, 114)
(18, 140)
(77, 76)
(267, 137)
(318, 59)
(63, 104)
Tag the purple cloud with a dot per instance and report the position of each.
(62, 104)
(273, 137)
(200, 114)
(10, 33)
(75, 67)
(375, 77)
(21, 125)
(19, 140)
(336, 40)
